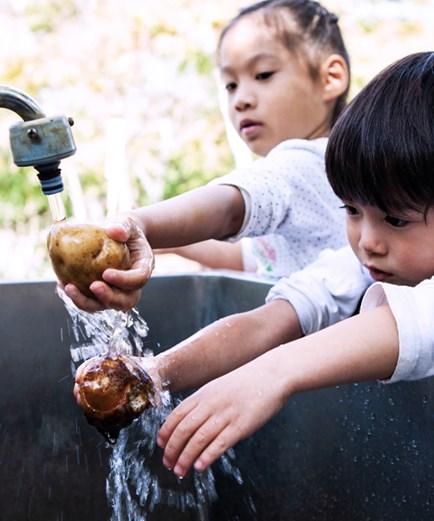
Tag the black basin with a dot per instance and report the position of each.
(357, 452)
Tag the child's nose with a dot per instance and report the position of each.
(244, 99)
(371, 240)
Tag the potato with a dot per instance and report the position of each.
(113, 391)
(81, 252)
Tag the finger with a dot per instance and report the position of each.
(173, 419)
(124, 228)
(205, 436)
(79, 372)
(82, 367)
(118, 231)
(224, 440)
(181, 435)
(110, 297)
(132, 279)
(76, 393)
(82, 301)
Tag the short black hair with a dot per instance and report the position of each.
(315, 26)
(381, 149)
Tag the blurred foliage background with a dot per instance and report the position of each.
(138, 77)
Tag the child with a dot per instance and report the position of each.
(286, 71)
(268, 256)
(380, 162)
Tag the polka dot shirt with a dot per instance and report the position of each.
(287, 193)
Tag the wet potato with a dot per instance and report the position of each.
(113, 391)
(81, 252)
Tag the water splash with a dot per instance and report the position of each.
(139, 487)
(107, 331)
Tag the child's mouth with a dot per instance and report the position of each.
(377, 274)
(249, 128)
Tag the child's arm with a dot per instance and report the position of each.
(227, 344)
(214, 211)
(209, 212)
(234, 406)
(212, 254)
(222, 346)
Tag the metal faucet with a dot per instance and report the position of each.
(39, 141)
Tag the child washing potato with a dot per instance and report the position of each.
(286, 71)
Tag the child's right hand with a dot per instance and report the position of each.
(219, 415)
(119, 289)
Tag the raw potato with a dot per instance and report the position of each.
(113, 390)
(81, 252)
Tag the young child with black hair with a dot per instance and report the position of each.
(380, 162)
(286, 71)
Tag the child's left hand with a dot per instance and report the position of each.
(218, 415)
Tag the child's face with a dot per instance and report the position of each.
(395, 248)
(271, 96)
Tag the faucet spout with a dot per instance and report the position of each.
(20, 103)
(38, 141)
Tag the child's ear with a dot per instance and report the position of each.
(334, 76)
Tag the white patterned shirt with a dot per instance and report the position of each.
(287, 193)
(268, 255)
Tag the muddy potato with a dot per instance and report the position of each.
(113, 391)
(81, 252)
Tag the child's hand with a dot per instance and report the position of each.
(216, 417)
(76, 390)
(121, 289)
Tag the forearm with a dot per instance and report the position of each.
(209, 212)
(364, 347)
(213, 254)
(234, 406)
(227, 344)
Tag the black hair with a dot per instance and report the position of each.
(381, 150)
(315, 26)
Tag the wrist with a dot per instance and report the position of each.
(284, 375)
(133, 217)
(162, 367)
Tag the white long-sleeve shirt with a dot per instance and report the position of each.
(330, 290)
(287, 193)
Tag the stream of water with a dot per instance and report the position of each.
(139, 487)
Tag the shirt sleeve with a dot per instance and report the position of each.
(267, 197)
(413, 310)
(326, 291)
(287, 192)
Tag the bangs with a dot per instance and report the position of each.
(381, 150)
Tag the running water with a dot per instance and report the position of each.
(139, 487)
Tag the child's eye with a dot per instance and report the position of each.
(396, 221)
(230, 87)
(351, 210)
(264, 75)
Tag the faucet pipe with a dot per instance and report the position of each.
(38, 141)
(20, 103)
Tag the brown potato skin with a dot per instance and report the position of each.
(80, 253)
(113, 390)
